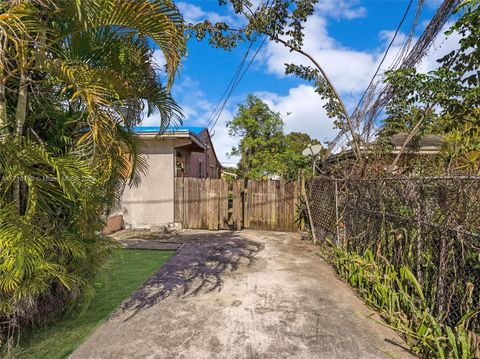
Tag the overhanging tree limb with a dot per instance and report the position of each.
(332, 88)
(409, 138)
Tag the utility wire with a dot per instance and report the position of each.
(230, 84)
(235, 85)
(416, 54)
(334, 143)
(407, 10)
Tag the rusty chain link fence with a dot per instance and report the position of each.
(430, 225)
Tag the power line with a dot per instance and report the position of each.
(334, 144)
(237, 82)
(232, 81)
(416, 54)
(407, 10)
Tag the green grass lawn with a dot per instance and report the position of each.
(121, 276)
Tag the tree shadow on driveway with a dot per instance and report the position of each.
(198, 265)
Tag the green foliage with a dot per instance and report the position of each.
(400, 300)
(275, 18)
(264, 150)
(118, 278)
(283, 22)
(296, 142)
(445, 101)
(75, 77)
(53, 238)
(333, 106)
(301, 213)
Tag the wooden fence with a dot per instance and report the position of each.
(217, 204)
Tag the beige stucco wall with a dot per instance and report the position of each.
(152, 202)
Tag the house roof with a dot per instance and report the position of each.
(427, 141)
(172, 132)
(425, 145)
(194, 132)
(156, 129)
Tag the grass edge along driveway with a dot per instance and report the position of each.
(120, 277)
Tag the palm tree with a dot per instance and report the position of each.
(75, 77)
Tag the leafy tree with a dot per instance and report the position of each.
(283, 22)
(296, 142)
(262, 140)
(264, 149)
(445, 101)
(75, 77)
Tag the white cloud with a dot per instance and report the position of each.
(441, 46)
(434, 4)
(222, 141)
(302, 111)
(341, 9)
(349, 70)
(387, 35)
(193, 14)
(159, 58)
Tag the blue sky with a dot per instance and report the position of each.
(348, 37)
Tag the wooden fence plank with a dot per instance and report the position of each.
(263, 205)
(194, 203)
(290, 198)
(272, 194)
(255, 215)
(178, 209)
(281, 205)
(266, 201)
(262, 202)
(247, 205)
(186, 198)
(223, 214)
(198, 201)
(237, 214)
(217, 193)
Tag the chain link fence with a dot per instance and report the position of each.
(430, 225)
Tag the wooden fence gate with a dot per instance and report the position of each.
(217, 204)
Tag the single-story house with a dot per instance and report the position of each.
(176, 152)
(425, 148)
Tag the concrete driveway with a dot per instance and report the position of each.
(245, 294)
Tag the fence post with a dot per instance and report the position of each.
(237, 193)
(304, 194)
(337, 238)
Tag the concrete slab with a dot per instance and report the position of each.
(245, 294)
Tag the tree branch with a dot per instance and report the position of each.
(330, 84)
(410, 136)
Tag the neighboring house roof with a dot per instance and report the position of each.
(191, 133)
(427, 143)
(150, 129)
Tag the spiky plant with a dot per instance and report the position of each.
(75, 77)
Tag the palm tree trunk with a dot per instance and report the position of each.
(20, 117)
(21, 111)
(3, 107)
(3, 100)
